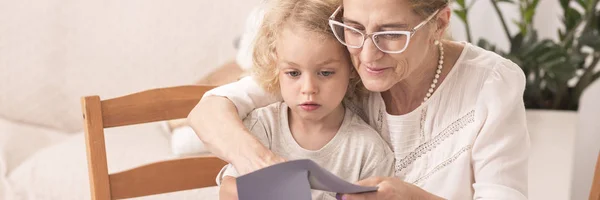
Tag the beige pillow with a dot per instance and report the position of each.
(60, 171)
(56, 51)
(18, 141)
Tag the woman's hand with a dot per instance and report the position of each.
(257, 157)
(390, 188)
(232, 142)
(228, 189)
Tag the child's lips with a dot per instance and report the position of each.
(309, 106)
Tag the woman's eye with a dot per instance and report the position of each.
(293, 73)
(326, 73)
(392, 36)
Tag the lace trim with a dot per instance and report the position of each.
(443, 164)
(432, 144)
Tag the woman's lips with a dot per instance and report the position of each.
(375, 71)
(309, 106)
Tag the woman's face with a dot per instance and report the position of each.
(379, 71)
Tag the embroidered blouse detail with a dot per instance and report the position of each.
(442, 165)
(433, 143)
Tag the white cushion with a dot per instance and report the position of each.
(60, 171)
(253, 21)
(184, 141)
(58, 51)
(18, 141)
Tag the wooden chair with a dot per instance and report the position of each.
(155, 178)
(595, 191)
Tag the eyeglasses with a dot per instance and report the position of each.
(386, 41)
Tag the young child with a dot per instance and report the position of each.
(297, 57)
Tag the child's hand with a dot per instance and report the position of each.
(228, 189)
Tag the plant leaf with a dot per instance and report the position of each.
(505, 1)
(462, 14)
(564, 4)
(590, 38)
(571, 18)
(528, 15)
(582, 3)
(598, 21)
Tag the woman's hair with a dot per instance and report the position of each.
(310, 15)
(424, 8)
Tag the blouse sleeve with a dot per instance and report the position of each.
(227, 170)
(501, 149)
(245, 94)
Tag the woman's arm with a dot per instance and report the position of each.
(228, 189)
(217, 122)
(500, 152)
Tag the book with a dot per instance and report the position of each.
(293, 180)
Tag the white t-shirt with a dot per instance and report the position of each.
(468, 141)
(356, 151)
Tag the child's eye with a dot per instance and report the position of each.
(326, 73)
(293, 73)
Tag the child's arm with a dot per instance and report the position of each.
(228, 189)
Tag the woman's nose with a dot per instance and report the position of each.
(369, 52)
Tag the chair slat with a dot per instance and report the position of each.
(166, 176)
(96, 151)
(152, 105)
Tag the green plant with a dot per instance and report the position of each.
(550, 65)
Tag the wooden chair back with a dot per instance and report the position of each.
(595, 191)
(154, 178)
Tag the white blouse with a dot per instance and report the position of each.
(468, 141)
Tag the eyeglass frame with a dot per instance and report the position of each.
(373, 35)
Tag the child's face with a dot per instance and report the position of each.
(313, 73)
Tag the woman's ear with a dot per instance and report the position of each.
(442, 21)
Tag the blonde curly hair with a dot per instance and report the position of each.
(312, 16)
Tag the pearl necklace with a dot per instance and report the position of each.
(437, 72)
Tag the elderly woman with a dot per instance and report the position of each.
(452, 112)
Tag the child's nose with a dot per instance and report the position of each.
(309, 86)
